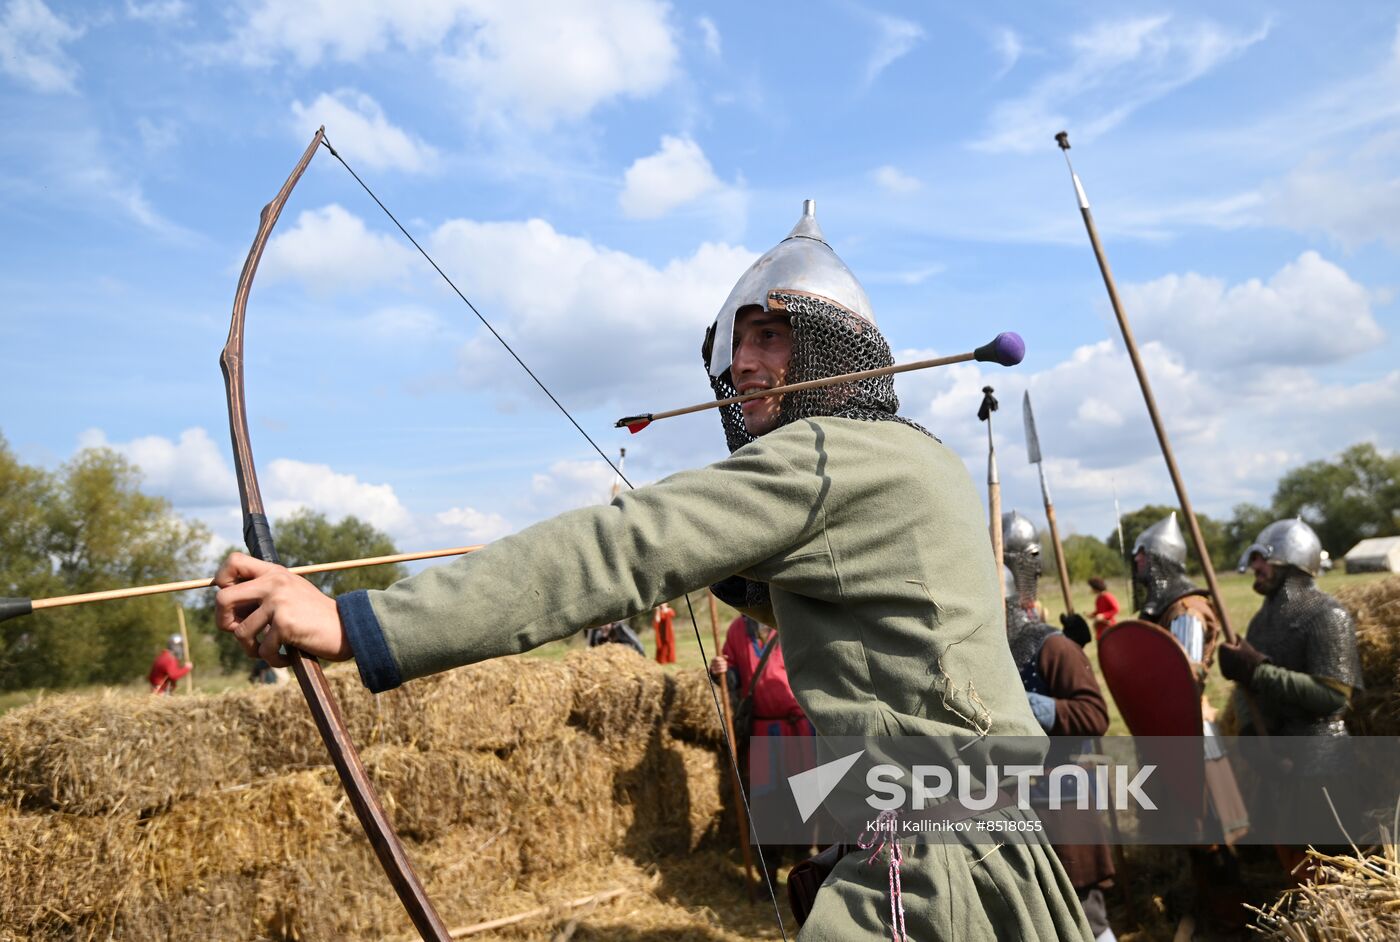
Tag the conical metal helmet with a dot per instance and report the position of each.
(1018, 534)
(1163, 539)
(1289, 542)
(803, 263)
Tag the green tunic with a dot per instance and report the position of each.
(874, 546)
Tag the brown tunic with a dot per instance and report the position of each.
(1079, 711)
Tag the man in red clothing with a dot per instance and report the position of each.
(662, 624)
(1106, 607)
(775, 709)
(167, 667)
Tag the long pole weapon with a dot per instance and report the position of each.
(1193, 526)
(1033, 453)
(257, 534)
(1196, 538)
(617, 481)
(15, 607)
(984, 412)
(737, 788)
(1122, 550)
(185, 641)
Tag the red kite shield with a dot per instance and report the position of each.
(1151, 680)
(1154, 686)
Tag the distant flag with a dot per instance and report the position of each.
(617, 481)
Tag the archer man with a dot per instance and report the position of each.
(846, 525)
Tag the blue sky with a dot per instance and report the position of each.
(595, 177)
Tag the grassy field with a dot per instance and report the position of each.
(1240, 601)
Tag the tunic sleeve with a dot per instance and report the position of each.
(1300, 691)
(1079, 705)
(590, 566)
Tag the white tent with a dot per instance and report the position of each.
(1378, 554)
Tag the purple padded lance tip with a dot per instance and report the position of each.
(1006, 348)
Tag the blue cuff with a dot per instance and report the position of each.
(1044, 709)
(378, 671)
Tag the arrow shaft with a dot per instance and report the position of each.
(810, 384)
(187, 585)
(994, 501)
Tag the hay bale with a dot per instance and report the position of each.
(693, 714)
(1347, 898)
(86, 754)
(1376, 608)
(220, 817)
(619, 698)
(52, 888)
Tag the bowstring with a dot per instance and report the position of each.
(694, 622)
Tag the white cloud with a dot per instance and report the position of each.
(677, 174)
(896, 38)
(157, 11)
(195, 476)
(542, 61)
(1233, 413)
(907, 276)
(535, 62)
(894, 180)
(468, 525)
(1310, 312)
(402, 322)
(570, 484)
(1355, 201)
(331, 249)
(290, 485)
(75, 166)
(357, 125)
(1114, 68)
(1009, 49)
(157, 136)
(597, 324)
(190, 472)
(31, 47)
(710, 32)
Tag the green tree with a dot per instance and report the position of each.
(1350, 499)
(26, 569)
(93, 529)
(1085, 556)
(305, 538)
(1245, 522)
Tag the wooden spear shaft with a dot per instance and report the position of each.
(738, 789)
(189, 584)
(1060, 563)
(185, 642)
(993, 483)
(1128, 341)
